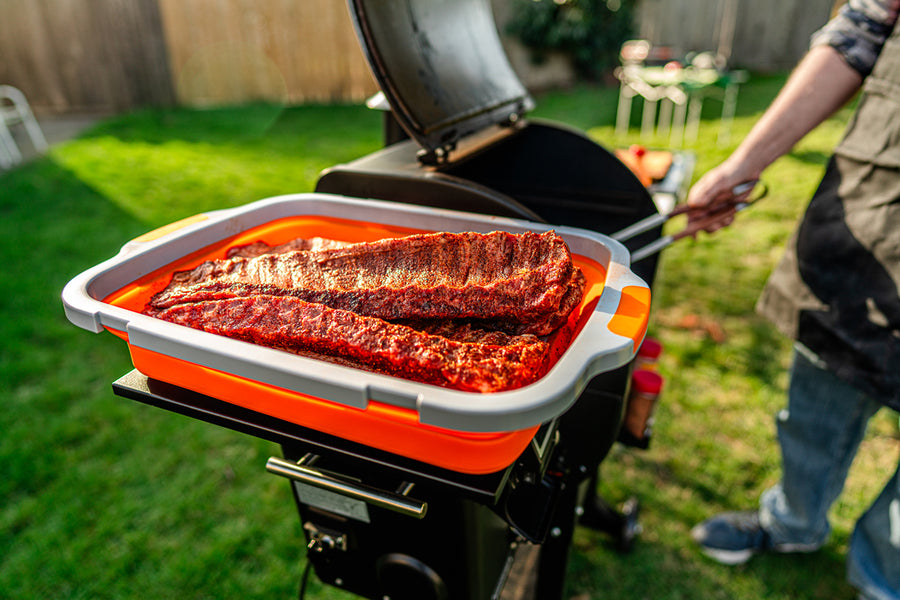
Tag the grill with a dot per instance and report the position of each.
(408, 491)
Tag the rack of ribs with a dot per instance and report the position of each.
(456, 309)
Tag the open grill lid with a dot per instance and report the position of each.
(441, 67)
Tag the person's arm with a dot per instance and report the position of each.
(843, 53)
(821, 84)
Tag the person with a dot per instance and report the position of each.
(835, 292)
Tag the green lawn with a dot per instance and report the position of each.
(103, 497)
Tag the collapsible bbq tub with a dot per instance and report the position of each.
(407, 490)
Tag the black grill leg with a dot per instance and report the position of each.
(622, 526)
(554, 556)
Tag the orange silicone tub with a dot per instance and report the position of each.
(462, 431)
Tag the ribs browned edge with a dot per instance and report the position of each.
(451, 329)
(516, 277)
(259, 248)
(570, 300)
(295, 325)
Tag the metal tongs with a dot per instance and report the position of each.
(712, 214)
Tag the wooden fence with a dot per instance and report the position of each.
(102, 55)
(244, 50)
(114, 55)
(761, 35)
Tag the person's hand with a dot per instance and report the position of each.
(714, 198)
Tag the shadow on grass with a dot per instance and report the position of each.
(757, 355)
(663, 569)
(52, 226)
(666, 564)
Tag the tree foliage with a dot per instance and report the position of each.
(589, 31)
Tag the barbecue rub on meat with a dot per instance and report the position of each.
(295, 325)
(520, 278)
(258, 248)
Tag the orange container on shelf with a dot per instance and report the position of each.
(463, 431)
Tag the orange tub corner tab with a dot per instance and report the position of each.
(633, 314)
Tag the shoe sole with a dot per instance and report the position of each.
(728, 557)
(738, 557)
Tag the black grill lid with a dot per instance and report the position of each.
(441, 67)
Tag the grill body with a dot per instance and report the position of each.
(456, 137)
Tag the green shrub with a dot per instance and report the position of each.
(589, 31)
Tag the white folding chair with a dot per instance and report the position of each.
(665, 103)
(15, 110)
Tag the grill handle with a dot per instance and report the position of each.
(398, 503)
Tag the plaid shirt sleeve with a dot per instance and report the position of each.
(859, 31)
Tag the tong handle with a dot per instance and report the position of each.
(717, 208)
(711, 218)
(713, 214)
(656, 220)
(716, 211)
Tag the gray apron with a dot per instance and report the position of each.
(836, 288)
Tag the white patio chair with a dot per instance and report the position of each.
(15, 110)
(642, 75)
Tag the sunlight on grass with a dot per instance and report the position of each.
(166, 178)
(161, 166)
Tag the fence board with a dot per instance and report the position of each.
(271, 50)
(768, 35)
(66, 58)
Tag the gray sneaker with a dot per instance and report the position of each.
(732, 538)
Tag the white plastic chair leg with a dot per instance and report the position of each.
(695, 108)
(9, 151)
(678, 118)
(729, 105)
(623, 111)
(649, 118)
(664, 119)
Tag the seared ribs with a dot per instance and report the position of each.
(295, 325)
(517, 278)
(258, 248)
(453, 309)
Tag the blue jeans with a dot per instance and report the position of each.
(819, 433)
